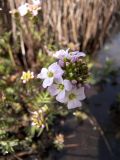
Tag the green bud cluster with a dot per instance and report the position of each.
(77, 71)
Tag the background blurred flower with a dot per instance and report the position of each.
(26, 76)
(38, 119)
(23, 9)
(36, 2)
(59, 141)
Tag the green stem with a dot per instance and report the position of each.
(11, 55)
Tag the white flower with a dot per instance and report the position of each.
(36, 2)
(34, 12)
(27, 76)
(77, 54)
(73, 98)
(61, 54)
(74, 56)
(23, 9)
(59, 88)
(53, 72)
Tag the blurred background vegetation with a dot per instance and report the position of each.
(78, 24)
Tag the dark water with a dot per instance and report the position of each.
(82, 141)
(110, 50)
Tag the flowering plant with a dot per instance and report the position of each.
(66, 78)
(30, 8)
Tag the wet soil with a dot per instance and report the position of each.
(83, 142)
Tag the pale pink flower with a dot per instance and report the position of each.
(36, 2)
(23, 9)
(34, 12)
(59, 88)
(73, 98)
(65, 54)
(54, 71)
(61, 54)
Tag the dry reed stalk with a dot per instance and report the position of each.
(83, 22)
(26, 36)
(12, 7)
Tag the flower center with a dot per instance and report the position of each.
(61, 87)
(71, 53)
(50, 74)
(72, 96)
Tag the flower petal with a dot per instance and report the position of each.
(61, 97)
(23, 9)
(80, 93)
(68, 85)
(56, 69)
(47, 82)
(61, 63)
(81, 54)
(43, 73)
(61, 54)
(36, 2)
(59, 74)
(75, 55)
(73, 104)
(78, 54)
(59, 80)
(53, 66)
(53, 90)
(35, 12)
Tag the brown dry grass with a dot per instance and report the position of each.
(82, 23)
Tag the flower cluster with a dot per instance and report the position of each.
(39, 118)
(65, 78)
(59, 141)
(27, 76)
(30, 8)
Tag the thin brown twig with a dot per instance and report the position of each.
(19, 155)
(94, 122)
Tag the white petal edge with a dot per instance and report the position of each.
(59, 80)
(80, 93)
(73, 104)
(47, 82)
(53, 90)
(43, 73)
(56, 69)
(68, 85)
(53, 66)
(61, 98)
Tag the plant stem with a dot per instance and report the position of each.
(11, 55)
(23, 50)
